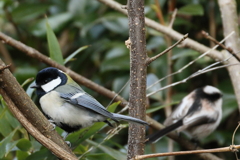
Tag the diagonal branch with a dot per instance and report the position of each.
(168, 31)
(25, 105)
(193, 61)
(150, 60)
(82, 80)
(206, 35)
(56, 149)
(29, 51)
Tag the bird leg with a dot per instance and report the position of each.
(52, 124)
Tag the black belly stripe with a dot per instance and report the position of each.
(69, 128)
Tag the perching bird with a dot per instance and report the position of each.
(199, 114)
(68, 106)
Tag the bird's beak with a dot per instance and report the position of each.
(35, 86)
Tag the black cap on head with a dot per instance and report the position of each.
(48, 79)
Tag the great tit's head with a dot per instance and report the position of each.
(48, 79)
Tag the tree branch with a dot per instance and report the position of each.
(230, 23)
(138, 74)
(185, 143)
(56, 149)
(206, 35)
(82, 80)
(216, 150)
(232, 148)
(29, 51)
(168, 31)
(14, 91)
(150, 60)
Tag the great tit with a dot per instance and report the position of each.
(68, 106)
(198, 114)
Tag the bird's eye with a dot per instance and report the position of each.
(46, 81)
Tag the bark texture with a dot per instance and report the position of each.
(25, 105)
(228, 10)
(138, 59)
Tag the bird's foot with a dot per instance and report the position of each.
(65, 134)
(68, 143)
(52, 124)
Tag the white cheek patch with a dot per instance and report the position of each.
(77, 95)
(60, 71)
(51, 85)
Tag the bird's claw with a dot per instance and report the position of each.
(68, 143)
(52, 124)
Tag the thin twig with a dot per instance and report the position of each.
(159, 13)
(168, 31)
(167, 50)
(206, 35)
(117, 94)
(78, 78)
(6, 56)
(190, 63)
(233, 137)
(191, 76)
(2, 68)
(173, 18)
(169, 91)
(223, 149)
(10, 18)
(31, 52)
(233, 147)
(110, 134)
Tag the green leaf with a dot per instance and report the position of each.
(30, 90)
(192, 9)
(111, 152)
(22, 155)
(24, 72)
(5, 128)
(5, 142)
(12, 120)
(29, 11)
(116, 63)
(27, 81)
(151, 79)
(24, 144)
(70, 57)
(116, 24)
(10, 146)
(113, 106)
(185, 53)
(56, 22)
(80, 136)
(53, 46)
(42, 154)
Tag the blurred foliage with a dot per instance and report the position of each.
(91, 40)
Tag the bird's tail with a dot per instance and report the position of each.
(153, 138)
(129, 119)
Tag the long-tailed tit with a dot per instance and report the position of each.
(199, 113)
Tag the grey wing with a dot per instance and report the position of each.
(82, 99)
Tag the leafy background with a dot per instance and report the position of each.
(88, 37)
